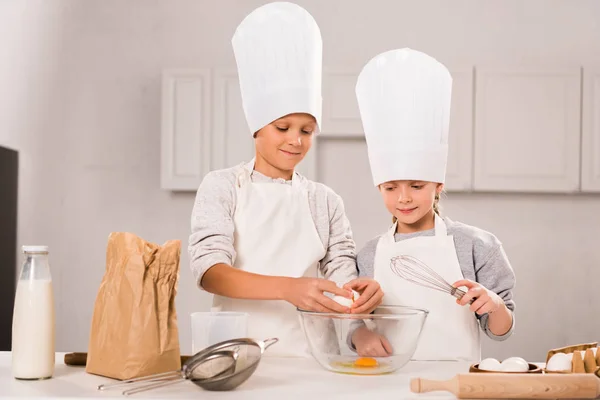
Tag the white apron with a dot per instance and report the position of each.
(274, 235)
(451, 331)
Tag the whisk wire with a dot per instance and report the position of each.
(417, 272)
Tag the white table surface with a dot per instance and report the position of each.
(275, 378)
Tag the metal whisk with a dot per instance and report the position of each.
(415, 271)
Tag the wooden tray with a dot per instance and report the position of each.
(533, 369)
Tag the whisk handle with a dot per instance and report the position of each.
(149, 378)
(155, 385)
(459, 294)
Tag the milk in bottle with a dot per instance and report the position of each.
(33, 330)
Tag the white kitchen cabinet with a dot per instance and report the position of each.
(527, 129)
(590, 163)
(185, 132)
(341, 116)
(232, 141)
(459, 171)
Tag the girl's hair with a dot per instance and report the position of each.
(436, 206)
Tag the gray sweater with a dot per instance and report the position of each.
(211, 240)
(481, 258)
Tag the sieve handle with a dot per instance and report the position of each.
(270, 342)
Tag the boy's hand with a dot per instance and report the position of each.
(370, 292)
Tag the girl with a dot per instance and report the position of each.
(260, 230)
(404, 99)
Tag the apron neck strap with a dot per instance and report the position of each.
(246, 174)
(392, 231)
(439, 226)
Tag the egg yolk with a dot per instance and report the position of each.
(365, 362)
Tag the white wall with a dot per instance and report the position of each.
(80, 99)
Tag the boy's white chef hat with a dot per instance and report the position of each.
(278, 51)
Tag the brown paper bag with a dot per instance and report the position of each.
(134, 327)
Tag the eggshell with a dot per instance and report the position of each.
(559, 362)
(490, 364)
(346, 301)
(515, 365)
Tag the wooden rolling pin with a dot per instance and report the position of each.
(513, 386)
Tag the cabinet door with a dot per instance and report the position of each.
(460, 142)
(590, 165)
(185, 136)
(341, 115)
(527, 129)
(232, 140)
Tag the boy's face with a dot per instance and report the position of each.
(284, 142)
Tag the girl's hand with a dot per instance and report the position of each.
(485, 301)
(370, 344)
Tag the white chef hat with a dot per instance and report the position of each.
(278, 51)
(404, 100)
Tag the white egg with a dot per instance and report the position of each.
(559, 362)
(582, 354)
(515, 365)
(490, 364)
(515, 358)
(570, 355)
(346, 302)
(594, 349)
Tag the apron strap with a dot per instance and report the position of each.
(440, 229)
(389, 237)
(440, 226)
(245, 176)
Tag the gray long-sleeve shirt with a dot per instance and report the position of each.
(211, 241)
(481, 258)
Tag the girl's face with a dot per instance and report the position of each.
(284, 142)
(411, 202)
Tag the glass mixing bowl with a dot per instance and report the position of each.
(387, 339)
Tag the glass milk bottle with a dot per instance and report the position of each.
(33, 329)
